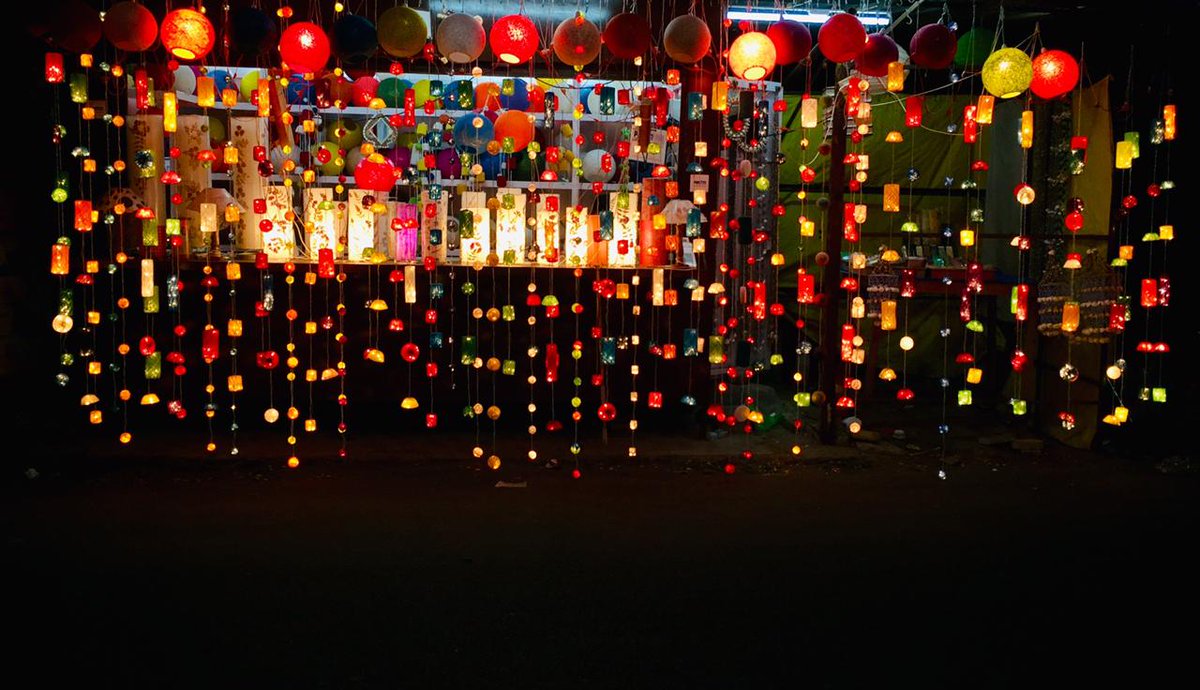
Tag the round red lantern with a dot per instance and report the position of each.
(514, 38)
(627, 36)
(1054, 73)
(933, 47)
(304, 47)
(842, 38)
(879, 52)
(130, 26)
(576, 41)
(607, 412)
(187, 34)
(375, 173)
(752, 56)
(792, 40)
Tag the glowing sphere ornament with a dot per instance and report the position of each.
(793, 41)
(354, 39)
(1007, 73)
(514, 39)
(933, 47)
(304, 47)
(576, 41)
(627, 36)
(402, 31)
(252, 31)
(687, 39)
(1054, 73)
(752, 56)
(187, 34)
(879, 52)
(461, 38)
(841, 38)
(130, 26)
(375, 173)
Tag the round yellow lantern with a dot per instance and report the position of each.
(1007, 73)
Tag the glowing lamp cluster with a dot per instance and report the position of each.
(752, 56)
(514, 39)
(187, 34)
(1007, 73)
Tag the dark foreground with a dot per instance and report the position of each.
(384, 574)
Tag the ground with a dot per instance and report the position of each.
(844, 567)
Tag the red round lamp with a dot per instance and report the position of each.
(842, 38)
(304, 48)
(1055, 73)
(793, 41)
(514, 39)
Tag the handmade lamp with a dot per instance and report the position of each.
(187, 34)
(1007, 73)
(514, 39)
(752, 56)
(461, 38)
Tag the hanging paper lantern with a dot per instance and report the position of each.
(793, 41)
(598, 166)
(879, 52)
(130, 26)
(576, 41)
(326, 158)
(627, 36)
(252, 31)
(515, 124)
(187, 34)
(461, 38)
(1054, 73)
(449, 164)
(487, 95)
(402, 31)
(841, 38)
(1007, 73)
(514, 39)
(75, 27)
(518, 99)
(686, 39)
(752, 56)
(364, 90)
(354, 39)
(391, 90)
(933, 47)
(375, 173)
(473, 132)
(304, 47)
(185, 80)
(973, 48)
(347, 134)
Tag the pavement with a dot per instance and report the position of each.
(853, 568)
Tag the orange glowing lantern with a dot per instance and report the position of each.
(752, 56)
(187, 34)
